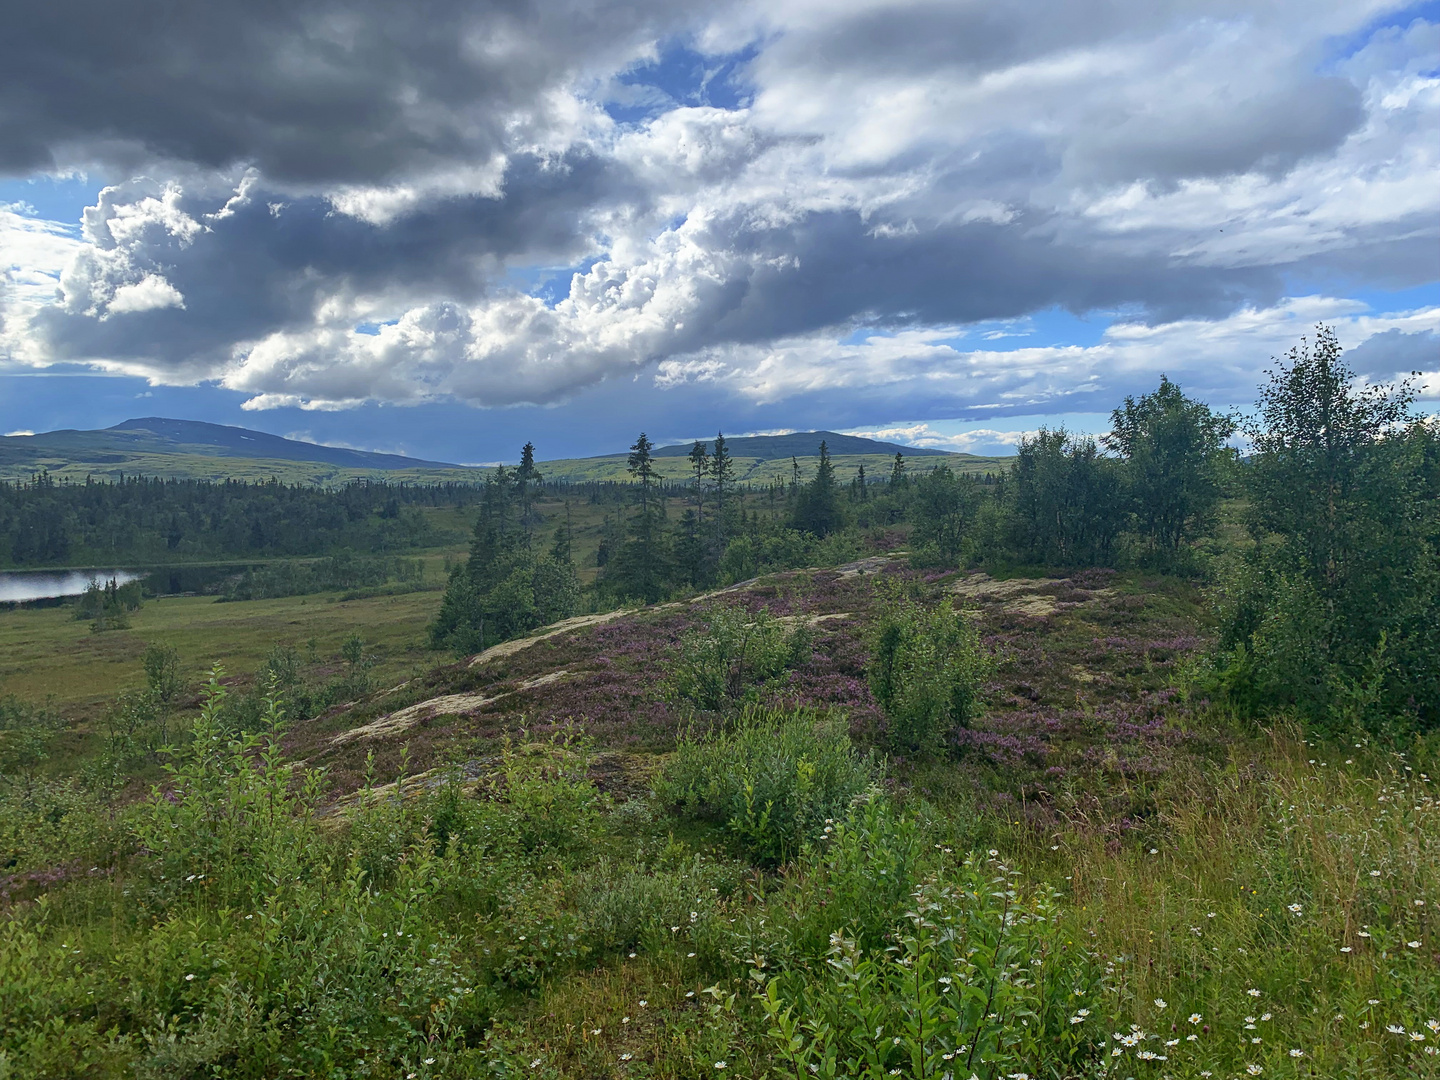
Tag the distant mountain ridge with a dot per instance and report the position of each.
(157, 446)
(226, 441)
(800, 444)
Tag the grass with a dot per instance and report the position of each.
(181, 466)
(46, 653)
(1307, 873)
(1098, 859)
(123, 461)
(756, 470)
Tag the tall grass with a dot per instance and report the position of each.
(1287, 901)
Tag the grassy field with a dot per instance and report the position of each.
(573, 470)
(47, 654)
(755, 470)
(205, 467)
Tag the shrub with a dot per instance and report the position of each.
(639, 904)
(26, 734)
(549, 801)
(235, 812)
(859, 879)
(980, 980)
(771, 780)
(732, 657)
(47, 823)
(109, 605)
(925, 670)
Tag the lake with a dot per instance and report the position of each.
(19, 586)
(28, 586)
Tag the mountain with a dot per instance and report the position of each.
(189, 449)
(223, 441)
(801, 444)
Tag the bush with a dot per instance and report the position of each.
(26, 734)
(343, 570)
(109, 605)
(732, 658)
(860, 880)
(772, 780)
(1334, 609)
(637, 905)
(550, 803)
(943, 998)
(926, 667)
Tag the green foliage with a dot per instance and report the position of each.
(232, 811)
(926, 669)
(1063, 502)
(943, 507)
(343, 570)
(818, 510)
(733, 657)
(552, 807)
(765, 549)
(506, 587)
(26, 734)
(859, 878)
(162, 672)
(1334, 609)
(641, 568)
(46, 822)
(140, 520)
(109, 606)
(774, 779)
(980, 979)
(135, 727)
(635, 905)
(1175, 463)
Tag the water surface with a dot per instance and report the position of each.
(19, 586)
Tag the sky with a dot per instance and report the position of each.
(943, 224)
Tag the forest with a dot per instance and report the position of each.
(1112, 763)
(140, 520)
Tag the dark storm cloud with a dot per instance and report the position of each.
(1394, 352)
(312, 92)
(911, 168)
(262, 266)
(841, 271)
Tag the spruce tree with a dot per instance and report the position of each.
(818, 510)
(700, 462)
(526, 476)
(897, 471)
(638, 569)
(722, 471)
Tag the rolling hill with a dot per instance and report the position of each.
(224, 441)
(759, 459)
(802, 444)
(190, 449)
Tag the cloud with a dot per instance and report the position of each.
(314, 92)
(1395, 353)
(933, 371)
(760, 203)
(148, 294)
(923, 435)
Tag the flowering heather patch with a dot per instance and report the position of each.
(612, 683)
(1079, 694)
